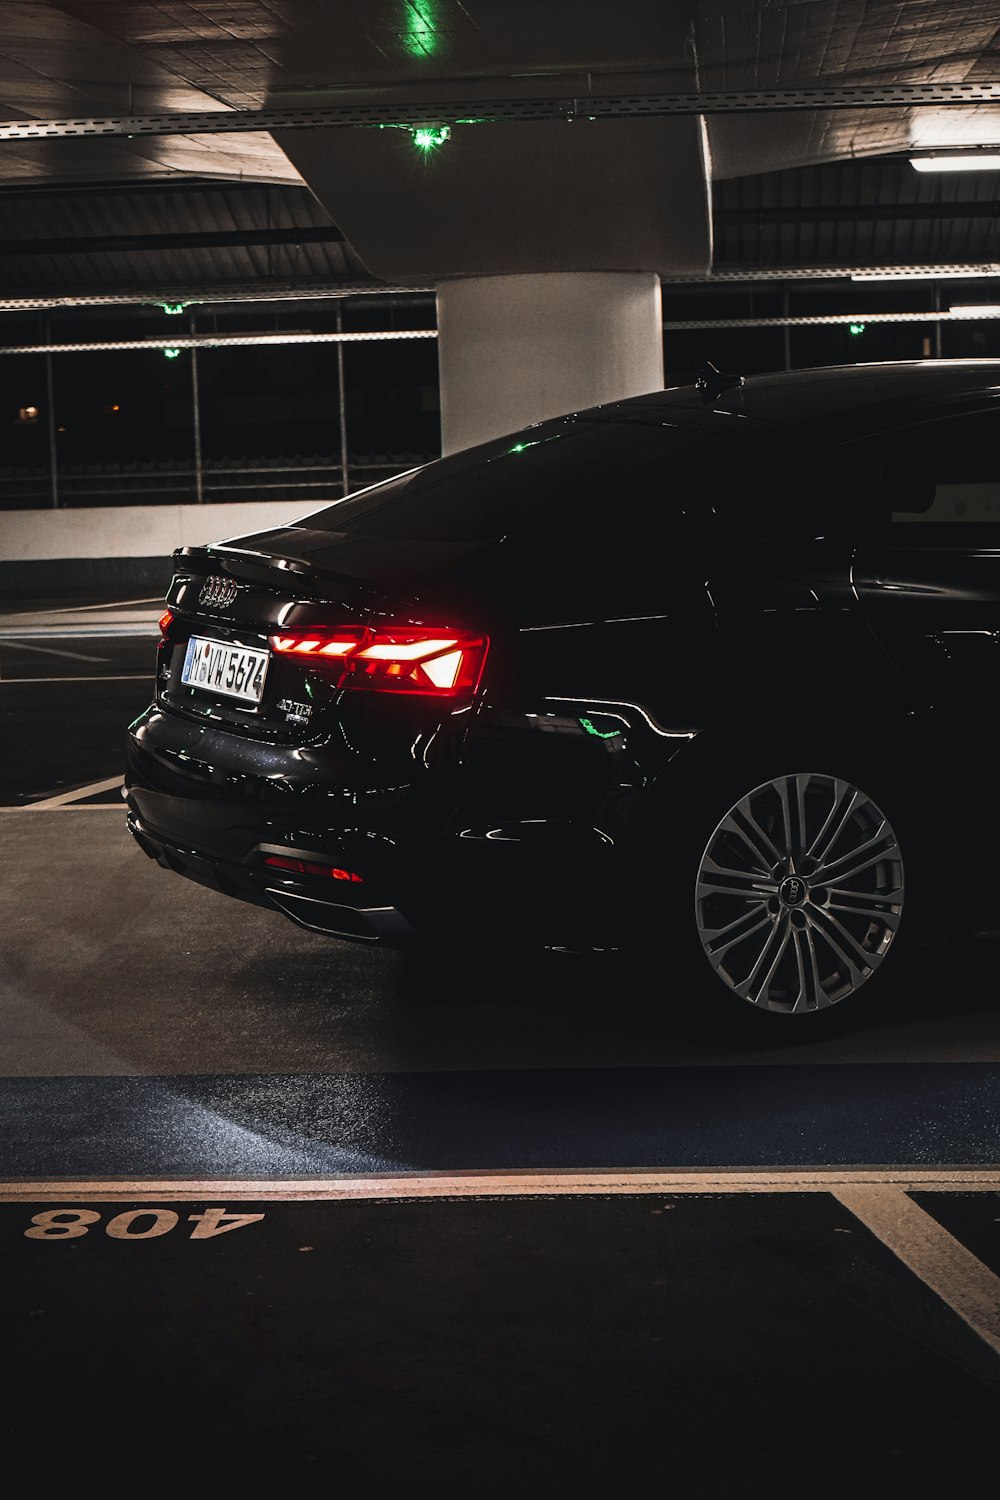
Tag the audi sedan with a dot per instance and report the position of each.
(707, 674)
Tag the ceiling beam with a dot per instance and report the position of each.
(104, 244)
(835, 213)
(191, 295)
(486, 111)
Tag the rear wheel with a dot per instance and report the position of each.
(799, 894)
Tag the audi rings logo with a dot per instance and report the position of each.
(217, 593)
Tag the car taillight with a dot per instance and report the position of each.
(165, 621)
(320, 644)
(441, 662)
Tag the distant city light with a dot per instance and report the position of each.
(27, 414)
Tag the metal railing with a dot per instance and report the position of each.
(312, 479)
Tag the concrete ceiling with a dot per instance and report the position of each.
(104, 61)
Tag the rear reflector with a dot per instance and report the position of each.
(307, 867)
(400, 659)
(165, 621)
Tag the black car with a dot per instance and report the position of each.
(708, 673)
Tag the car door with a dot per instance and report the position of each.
(927, 575)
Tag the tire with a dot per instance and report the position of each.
(785, 900)
(799, 893)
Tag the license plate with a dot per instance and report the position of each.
(218, 667)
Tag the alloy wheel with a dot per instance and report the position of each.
(799, 893)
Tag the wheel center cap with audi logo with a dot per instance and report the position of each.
(792, 890)
(218, 593)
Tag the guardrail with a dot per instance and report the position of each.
(166, 482)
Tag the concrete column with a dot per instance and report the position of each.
(517, 349)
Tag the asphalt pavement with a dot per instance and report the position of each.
(278, 1208)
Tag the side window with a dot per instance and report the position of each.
(943, 477)
(611, 542)
(767, 488)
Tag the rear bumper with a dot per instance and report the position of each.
(307, 900)
(465, 897)
(437, 855)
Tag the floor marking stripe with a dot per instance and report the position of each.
(69, 631)
(119, 677)
(941, 1262)
(16, 807)
(75, 609)
(504, 1185)
(83, 791)
(51, 651)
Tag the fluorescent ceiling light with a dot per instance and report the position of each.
(971, 161)
(976, 310)
(944, 274)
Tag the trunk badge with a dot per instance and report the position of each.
(217, 593)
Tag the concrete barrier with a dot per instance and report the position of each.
(53, 551)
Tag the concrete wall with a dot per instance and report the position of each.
(48, 551)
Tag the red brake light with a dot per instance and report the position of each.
(438, 661)
(320, 642)
(165, 622)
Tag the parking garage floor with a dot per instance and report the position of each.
(281, 1208)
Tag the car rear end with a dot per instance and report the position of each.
(436, 704)
(304, 740)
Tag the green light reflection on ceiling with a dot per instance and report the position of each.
(421, 18)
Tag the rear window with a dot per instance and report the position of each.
(557, 471)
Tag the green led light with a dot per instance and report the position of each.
(588, 726)
(171, 353)
(172, 307)
(521, 447)
(429, 137)
(855, 328)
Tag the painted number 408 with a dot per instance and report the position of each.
(71, 1223)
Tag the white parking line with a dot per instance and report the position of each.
(84, 807)
(877, 1198)
(942, 1263)
(84, 791)
(51, 651)
(120, 677)
(72, 609)
(32, 807)
(138, 628)
(508, 1184)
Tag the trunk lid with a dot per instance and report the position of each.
(230, 602)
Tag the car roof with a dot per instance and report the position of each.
(859, 397)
